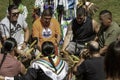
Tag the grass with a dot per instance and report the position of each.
(112, 5)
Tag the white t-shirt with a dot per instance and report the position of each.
(23, 10)
(40, 4)
(16, 31)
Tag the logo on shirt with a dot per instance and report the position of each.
(46, 33)
(15, 29)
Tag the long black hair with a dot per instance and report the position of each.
(48, 49)
(112, 61)
(8, 46)
(17, 2)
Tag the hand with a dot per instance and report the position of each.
(24, 45)
(63, 51)
(84, 54)
(64, 54)
(2, 78)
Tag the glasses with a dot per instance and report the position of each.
(16, 13)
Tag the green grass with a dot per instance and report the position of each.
(112, 5)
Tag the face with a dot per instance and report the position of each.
(80, 19)
(14, 14)
(104, 21)
(35, 16)
(46, 20)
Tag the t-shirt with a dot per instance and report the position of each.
(92, 69)
(83, 33)
(10, 67)
(16, 31)
(105, 37)
(112, 33)
(48, 34)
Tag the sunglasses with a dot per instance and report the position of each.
(16, 13)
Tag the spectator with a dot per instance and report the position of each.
(49, 67)
(90, 67)
(46, 28)
(9, 65)
(90, 7)
(66, 10)
(108, 32)
(45, 4)
(112, 61)
(83, 29)
(23, 9)
(14, 25)
(36, 14)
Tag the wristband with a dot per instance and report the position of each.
(9, 78)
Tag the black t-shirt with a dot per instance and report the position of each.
(33, 74)
(92, 69)
(84, 32)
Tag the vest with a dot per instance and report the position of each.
(101, 38)
(83, 33)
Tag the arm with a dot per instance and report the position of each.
(75, 70)
(4, 31)
(25, 28)
(26, 37)
(58, 38)
(30, 75)
(58, 32)
(36, 32)
(67, 37)
(96, 28)
(23, 69)
(26, 34)
(103, 50)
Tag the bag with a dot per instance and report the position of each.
(74, 48)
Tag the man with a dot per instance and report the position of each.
(46, 28)
(108, 32)
(22, 8)
(14, 25)
(83, 29)
(92, 67)
(36, 14)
